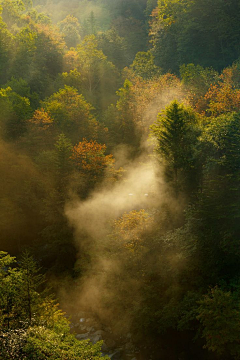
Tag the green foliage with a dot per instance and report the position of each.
(38, 56)
(157, 262)
(70, 28)
(44, 344)
(219, 315)
(197, 81)
(31, 325)
(16, 110)
(114, 47)
(99, 76)
(143, 65)
(177, 138)
(71, 114)
(200, 32)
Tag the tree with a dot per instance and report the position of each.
(219, 314)
(177, 137)
(224, 96)
(99, 76)
(90, 160)
(201, 32)
(125, 121)
(143, 65)
(70, 28)
(20, 301)
(31, 282)
(71, 114)
(218, 208)
(114, 47)
(38, 57)
(63, 151)
(197, 80)
(16, 111)
(6, 40)
(31, 324)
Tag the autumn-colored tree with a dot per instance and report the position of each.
(196, 81)
(71, 114)
(224, 96)
(131, 227)
(89, 157)
(140, 101)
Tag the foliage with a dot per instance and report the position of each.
(176, 132)
(71, 114)
(70, 29)
(16, 110)
(143, 65)
(199, 32)
(31, 324)
(90, 160)
(220, 318)
(131, 226)
(68, 102)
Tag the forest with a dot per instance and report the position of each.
(120, 179)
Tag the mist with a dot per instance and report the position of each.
(111, 226)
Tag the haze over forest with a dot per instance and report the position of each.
(120, 179)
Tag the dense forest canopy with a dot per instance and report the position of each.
(120, 164)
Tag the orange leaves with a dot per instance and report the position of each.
(131, 226)
(224, 96)
(70, 60)
(89, 157)
(41, 119)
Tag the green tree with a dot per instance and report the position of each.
(125, 122)
(114, 47)
(99, 76)
(219, 315)
(70, 28)
(200, 32)
(6, 41)
(71, 114)
(177, 134)
(197, 80)
(16, 111)
(31, 282)
(143, 65)
(31, 324)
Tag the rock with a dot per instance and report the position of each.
(100, 332)
(117, 355)
(82, 336)
(82, 320)
(90, 329)
(95, 338)
(82, 328)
